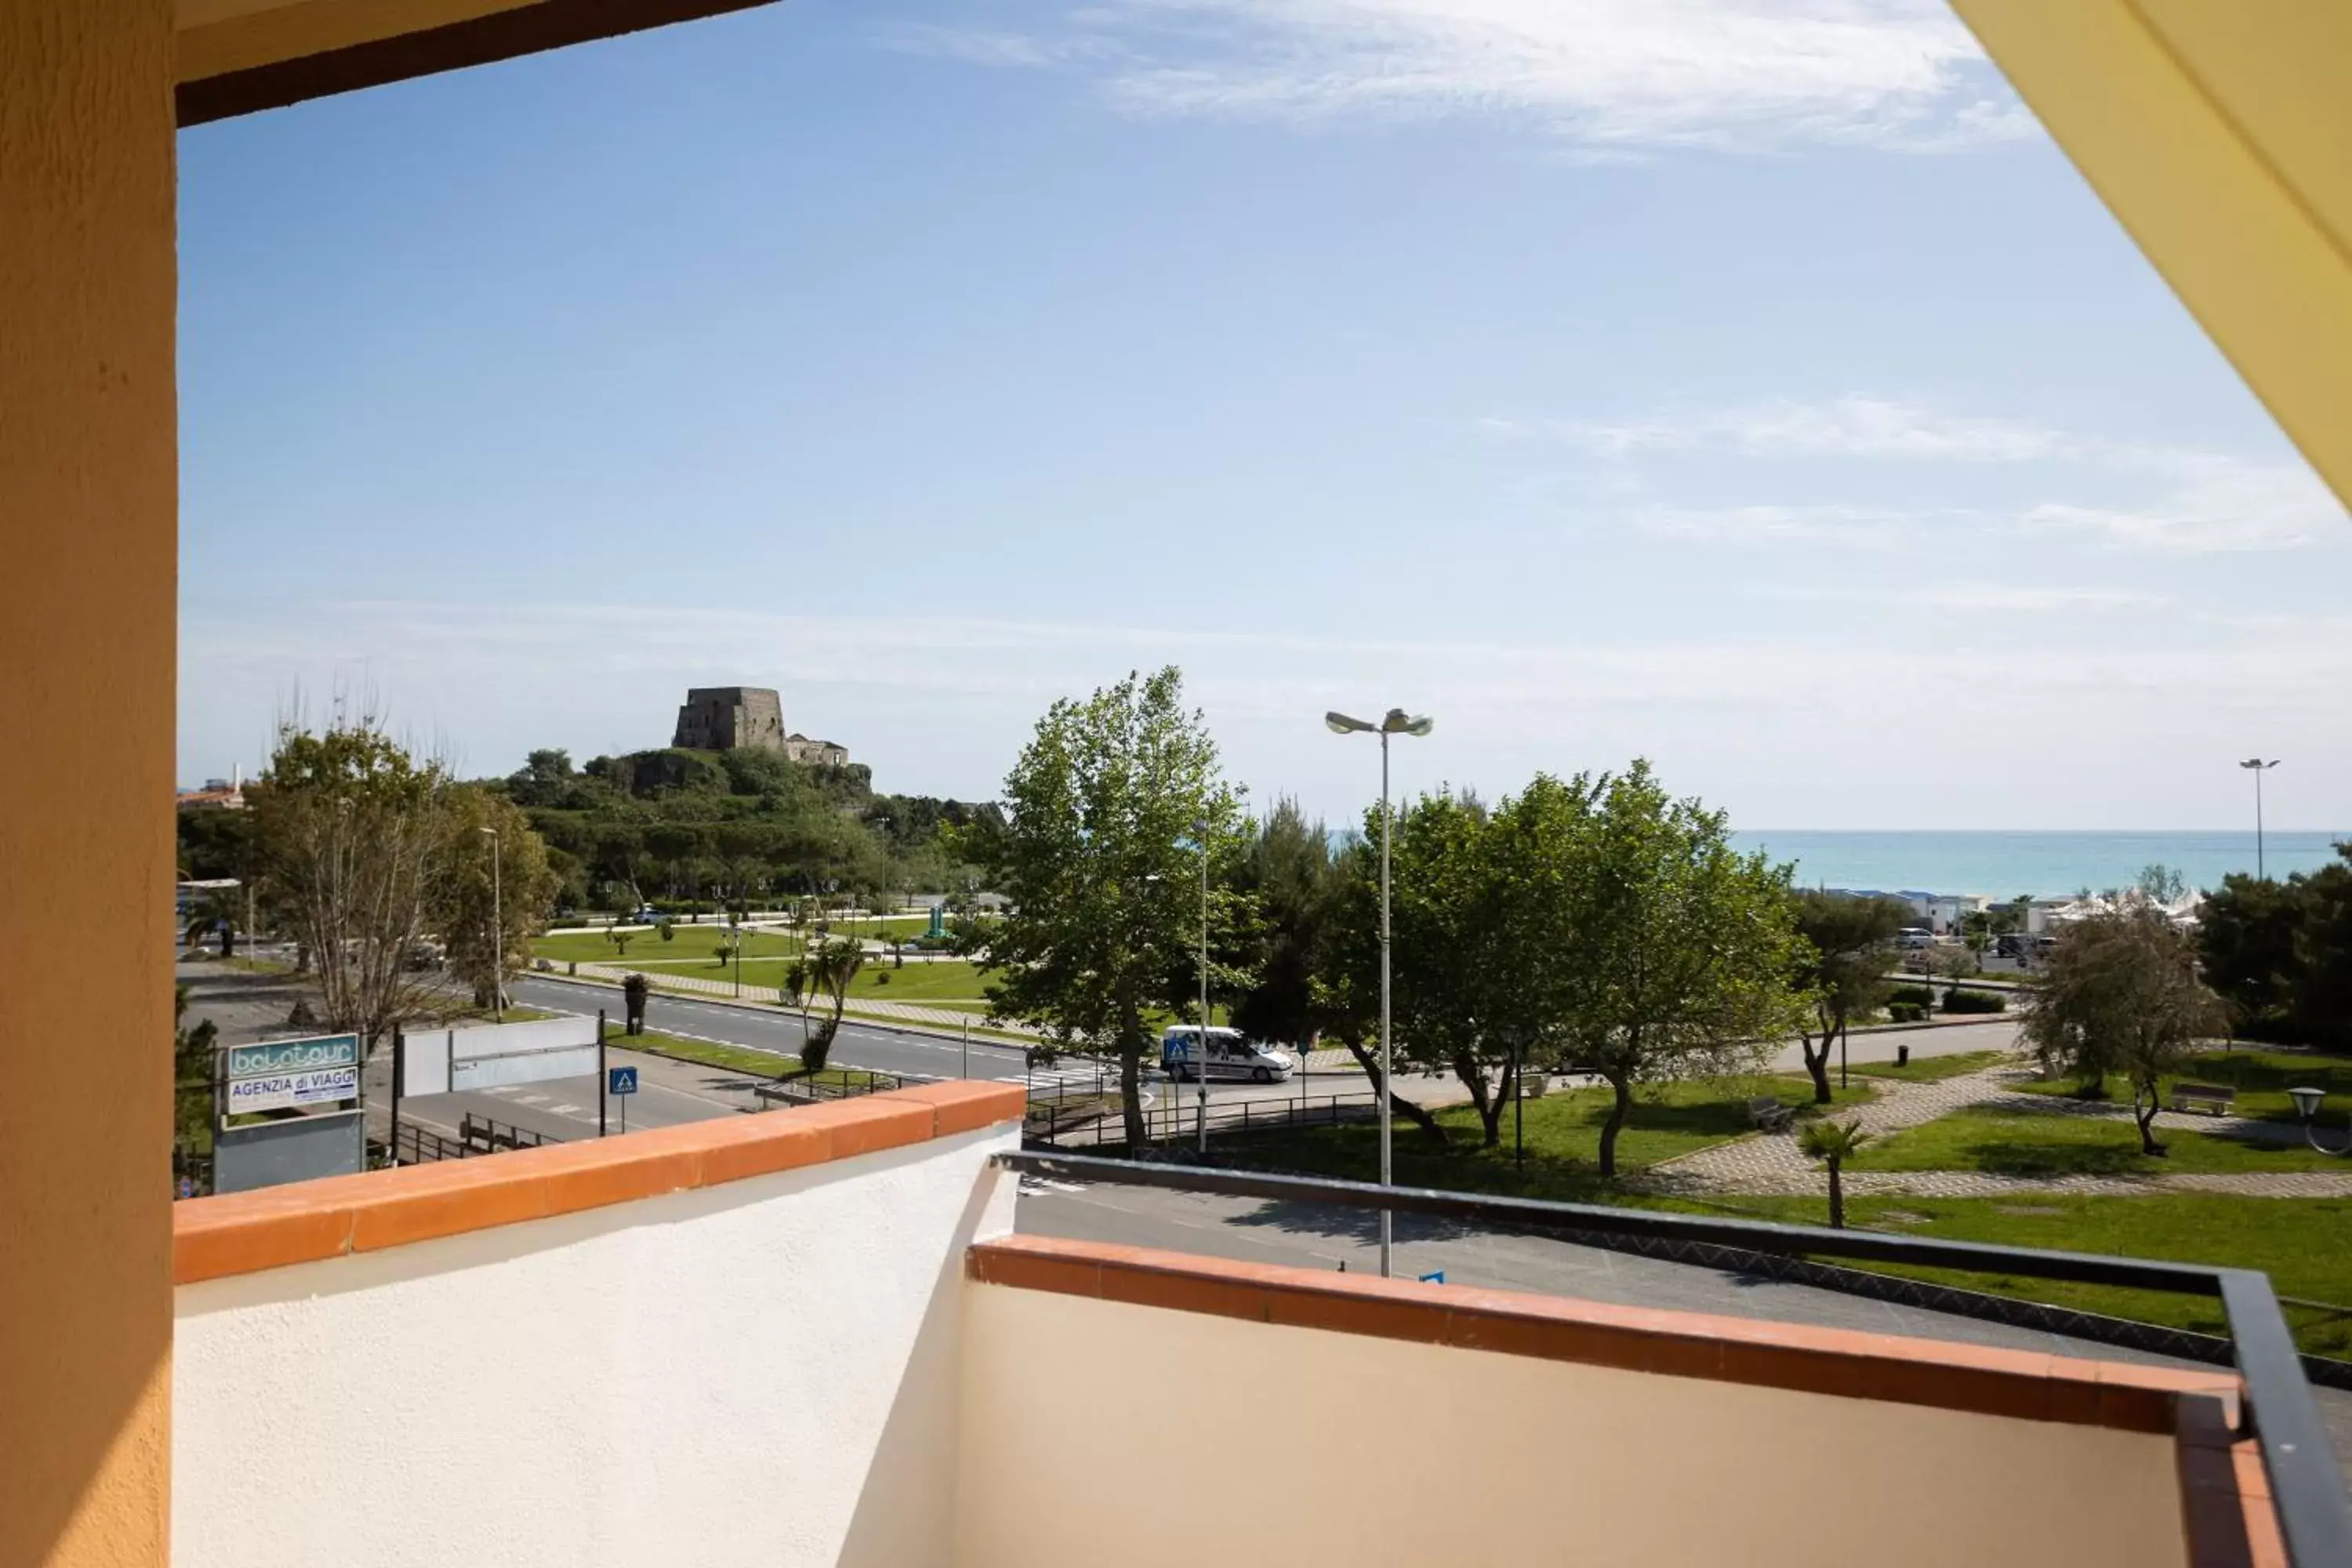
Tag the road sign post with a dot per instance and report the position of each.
(600, 1070)
(621, 1083)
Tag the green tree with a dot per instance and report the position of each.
(1678, 951)
(2121, 994)
(192, 1083)
(1112, 802)
(1832, 1143)
(219, 913)
(829, 968)
(1456, 1003)
(354, 829)
(2280, 951)
(1297, 884)
(489, 896)
(1842, 967)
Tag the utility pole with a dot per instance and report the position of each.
(497, 934)
(1200, 1066)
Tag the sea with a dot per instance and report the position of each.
(2044, 865)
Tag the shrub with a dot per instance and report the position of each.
(881, 977)
(1959, 1000)
(1904, 1011)
(1916, 995)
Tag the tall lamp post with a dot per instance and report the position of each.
(2260, 767)
(1201, 1062)
(497, 934)
(1397, 723)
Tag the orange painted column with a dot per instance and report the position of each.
(88, 548)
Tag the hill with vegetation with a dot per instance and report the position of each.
(688, 827)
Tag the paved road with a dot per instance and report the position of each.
(1994, 1034)
(857, 1044)
(1317, 1236)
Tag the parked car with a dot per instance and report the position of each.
(1913, 937)
(1231, 1056)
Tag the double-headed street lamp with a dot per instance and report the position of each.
(1398, 722)
(2259, 768)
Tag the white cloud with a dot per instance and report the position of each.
(2207, 502)
(943, 706)
(1853, 427)
(2130, 495)
(2032, 599)
(1871, 528)
(1609, 76)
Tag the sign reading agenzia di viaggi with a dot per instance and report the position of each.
(277, 1075)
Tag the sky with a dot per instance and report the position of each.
(1746, 385)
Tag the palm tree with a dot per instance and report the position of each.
(1831, 1142)
(831, 965)
(219, 913)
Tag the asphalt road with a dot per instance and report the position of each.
(857, 1044)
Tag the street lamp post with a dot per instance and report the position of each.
(1200, 1063)
(498, 935)
(2259, 767)
(1397, 723)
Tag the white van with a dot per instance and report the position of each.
(1230, 1055)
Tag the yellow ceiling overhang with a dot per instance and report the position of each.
(2220, 133)
(239, 55)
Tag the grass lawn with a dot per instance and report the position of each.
(687, 944)
(733, 1058)
(2297, 1241)
(1928, 1069)
(1563, 1139)
(2013, 1144)
(2262, 1079)
(950, 980)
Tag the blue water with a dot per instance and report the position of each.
(2046, 865)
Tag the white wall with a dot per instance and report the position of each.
(758, 1372)
(1343, 1449)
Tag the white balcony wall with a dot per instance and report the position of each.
(1234, 1442)
(760, 1372)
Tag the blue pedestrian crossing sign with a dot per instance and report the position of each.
(621, 1080)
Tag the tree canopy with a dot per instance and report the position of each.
(1113, 802)
(2281, 952)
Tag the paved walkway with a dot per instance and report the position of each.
(1772, 1162)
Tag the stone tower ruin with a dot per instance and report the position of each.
(726, 718)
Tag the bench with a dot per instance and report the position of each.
(1770, 1114)
(1532, 1084)
(2212, 1098)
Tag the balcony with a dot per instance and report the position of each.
(813, 1337)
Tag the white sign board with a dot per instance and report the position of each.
(449, 1061)
(281, 1091)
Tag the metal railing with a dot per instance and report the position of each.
(2278, 1409)
(487, 1135)
(1098, 1120)
(833, 1083)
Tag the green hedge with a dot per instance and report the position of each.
(1913, 995)
(1959, 1000)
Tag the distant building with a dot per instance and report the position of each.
(218, 794)
(800, 749)
(747, 717)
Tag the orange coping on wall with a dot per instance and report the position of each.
(303, 1222)
(1797, 1356)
